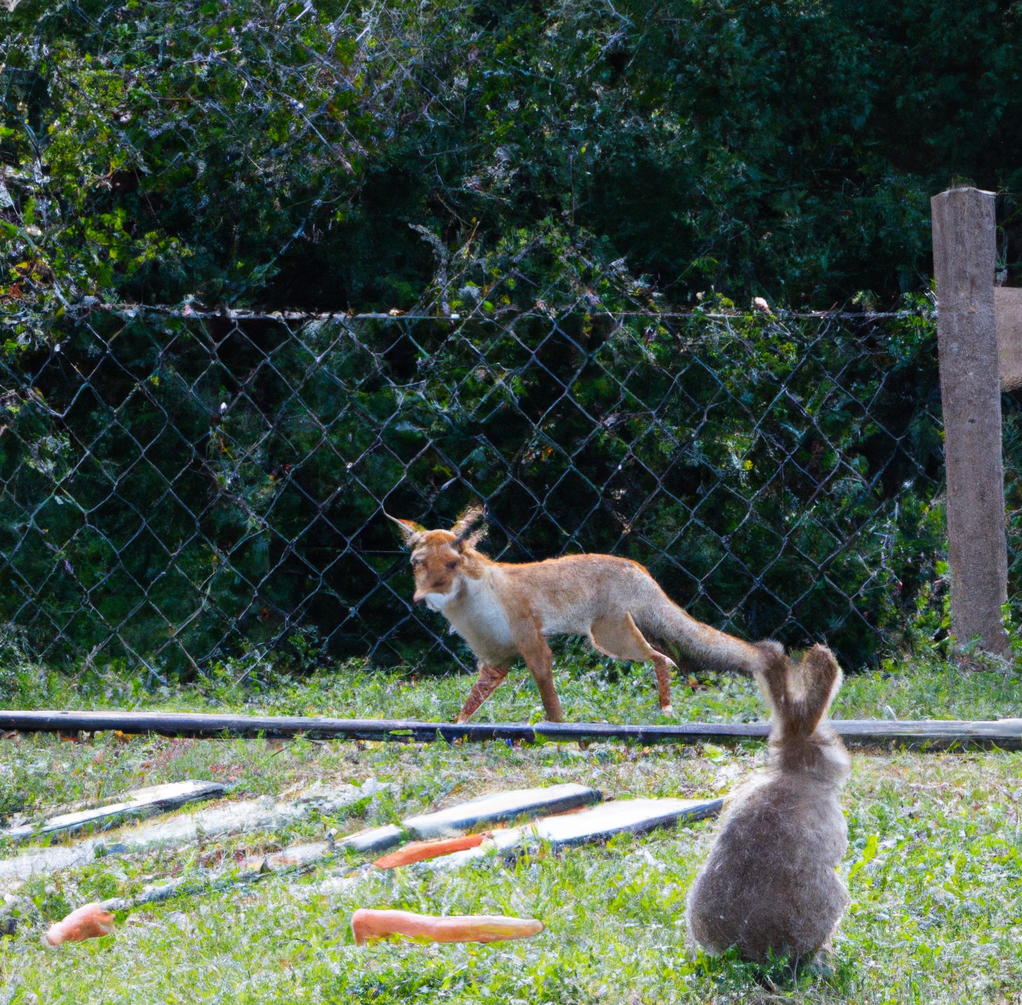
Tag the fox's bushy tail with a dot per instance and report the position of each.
(695, 646)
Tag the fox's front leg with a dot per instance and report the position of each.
(540, 660)
(489, 679)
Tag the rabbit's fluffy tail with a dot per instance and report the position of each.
(800, 693)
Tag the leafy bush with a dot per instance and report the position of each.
(239, 152)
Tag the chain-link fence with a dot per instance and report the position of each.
(177, 488)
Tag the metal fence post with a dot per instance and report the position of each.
(964, 251)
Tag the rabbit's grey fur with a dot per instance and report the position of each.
(769, 884)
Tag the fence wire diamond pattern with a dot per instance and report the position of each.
(176, 488)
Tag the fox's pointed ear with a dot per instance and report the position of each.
(469, 529)
(410, 531)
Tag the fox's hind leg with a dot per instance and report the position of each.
(619, 638)
(662, 665)
(489, 679)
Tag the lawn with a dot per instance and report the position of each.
(933, 866)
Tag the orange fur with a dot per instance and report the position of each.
(504, 610)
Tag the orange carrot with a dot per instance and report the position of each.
(88, 922)
(368, 925)
(419, 851)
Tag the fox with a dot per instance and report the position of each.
(508, 610)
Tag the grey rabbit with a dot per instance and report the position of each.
(769, 884)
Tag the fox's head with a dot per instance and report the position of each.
(441, 557)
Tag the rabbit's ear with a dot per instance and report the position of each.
(772, 678)
(823, 680)
(819, 680)
(800, 693)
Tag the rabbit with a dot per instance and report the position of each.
(769, 885)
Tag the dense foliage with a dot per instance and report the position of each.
(278, 153)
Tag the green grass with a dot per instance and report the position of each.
(934, 865)
(592, 688)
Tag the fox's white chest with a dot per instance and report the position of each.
(437, 601)
(478, 618)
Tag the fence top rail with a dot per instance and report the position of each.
(175, 311)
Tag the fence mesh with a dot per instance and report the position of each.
(176, 489)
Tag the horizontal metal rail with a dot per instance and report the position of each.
(174, 311)
(930, 734)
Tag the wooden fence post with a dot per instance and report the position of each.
(964, 251)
